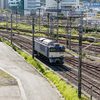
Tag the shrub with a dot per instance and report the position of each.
(84, 54)
(1, 39)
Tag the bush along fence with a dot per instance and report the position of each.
(66, 90)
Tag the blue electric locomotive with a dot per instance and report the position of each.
(50, 51)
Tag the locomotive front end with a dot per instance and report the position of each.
(56, 53)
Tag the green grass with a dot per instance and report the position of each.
(66, 90)
(60, 30)
(78, 41)
(4, 74)
(44, 35)
(3, 24)
(71, 52)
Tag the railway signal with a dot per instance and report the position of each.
(91, 92)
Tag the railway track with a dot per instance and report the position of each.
(59, 35)
(93, 47)
(90, 72)
(72, 75)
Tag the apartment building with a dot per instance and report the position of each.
(64, 5)
(4, 4)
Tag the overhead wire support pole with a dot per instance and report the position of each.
(39, 19)
(57, 19)
(67, 34)
(85, 29)
(80, 57)
(48, 23)
(6, 20)
(33, 37)
(16, 20)
(96, 31)
(11, 26)
(58, 1)
(70, 35)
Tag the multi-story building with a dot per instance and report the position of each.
(64, 5)
(68, 4)
(13, 4)
(51, 5)
(29, 4)
(37, 3)
(24, 4)
(4, 4)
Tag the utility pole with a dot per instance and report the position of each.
(16, 20)
(70, 35)
(96, 32)
(51, 27)
(6, 20)
(80, 57)
(48, 23)
(85, 29)
(39, 18)
(67, 34)
(11, 26)
(57, 19)
(33, 37)
(58, 1)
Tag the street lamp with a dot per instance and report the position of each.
(58, 1)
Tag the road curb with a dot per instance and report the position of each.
(19, 84)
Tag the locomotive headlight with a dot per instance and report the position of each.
(52, 49)
(62, 49)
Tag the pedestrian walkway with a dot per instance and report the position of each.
(31, 84)
(10, 93)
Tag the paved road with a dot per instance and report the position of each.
(35, 86)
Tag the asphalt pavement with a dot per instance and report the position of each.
(31, 84)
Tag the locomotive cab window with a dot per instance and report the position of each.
(62, 49)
